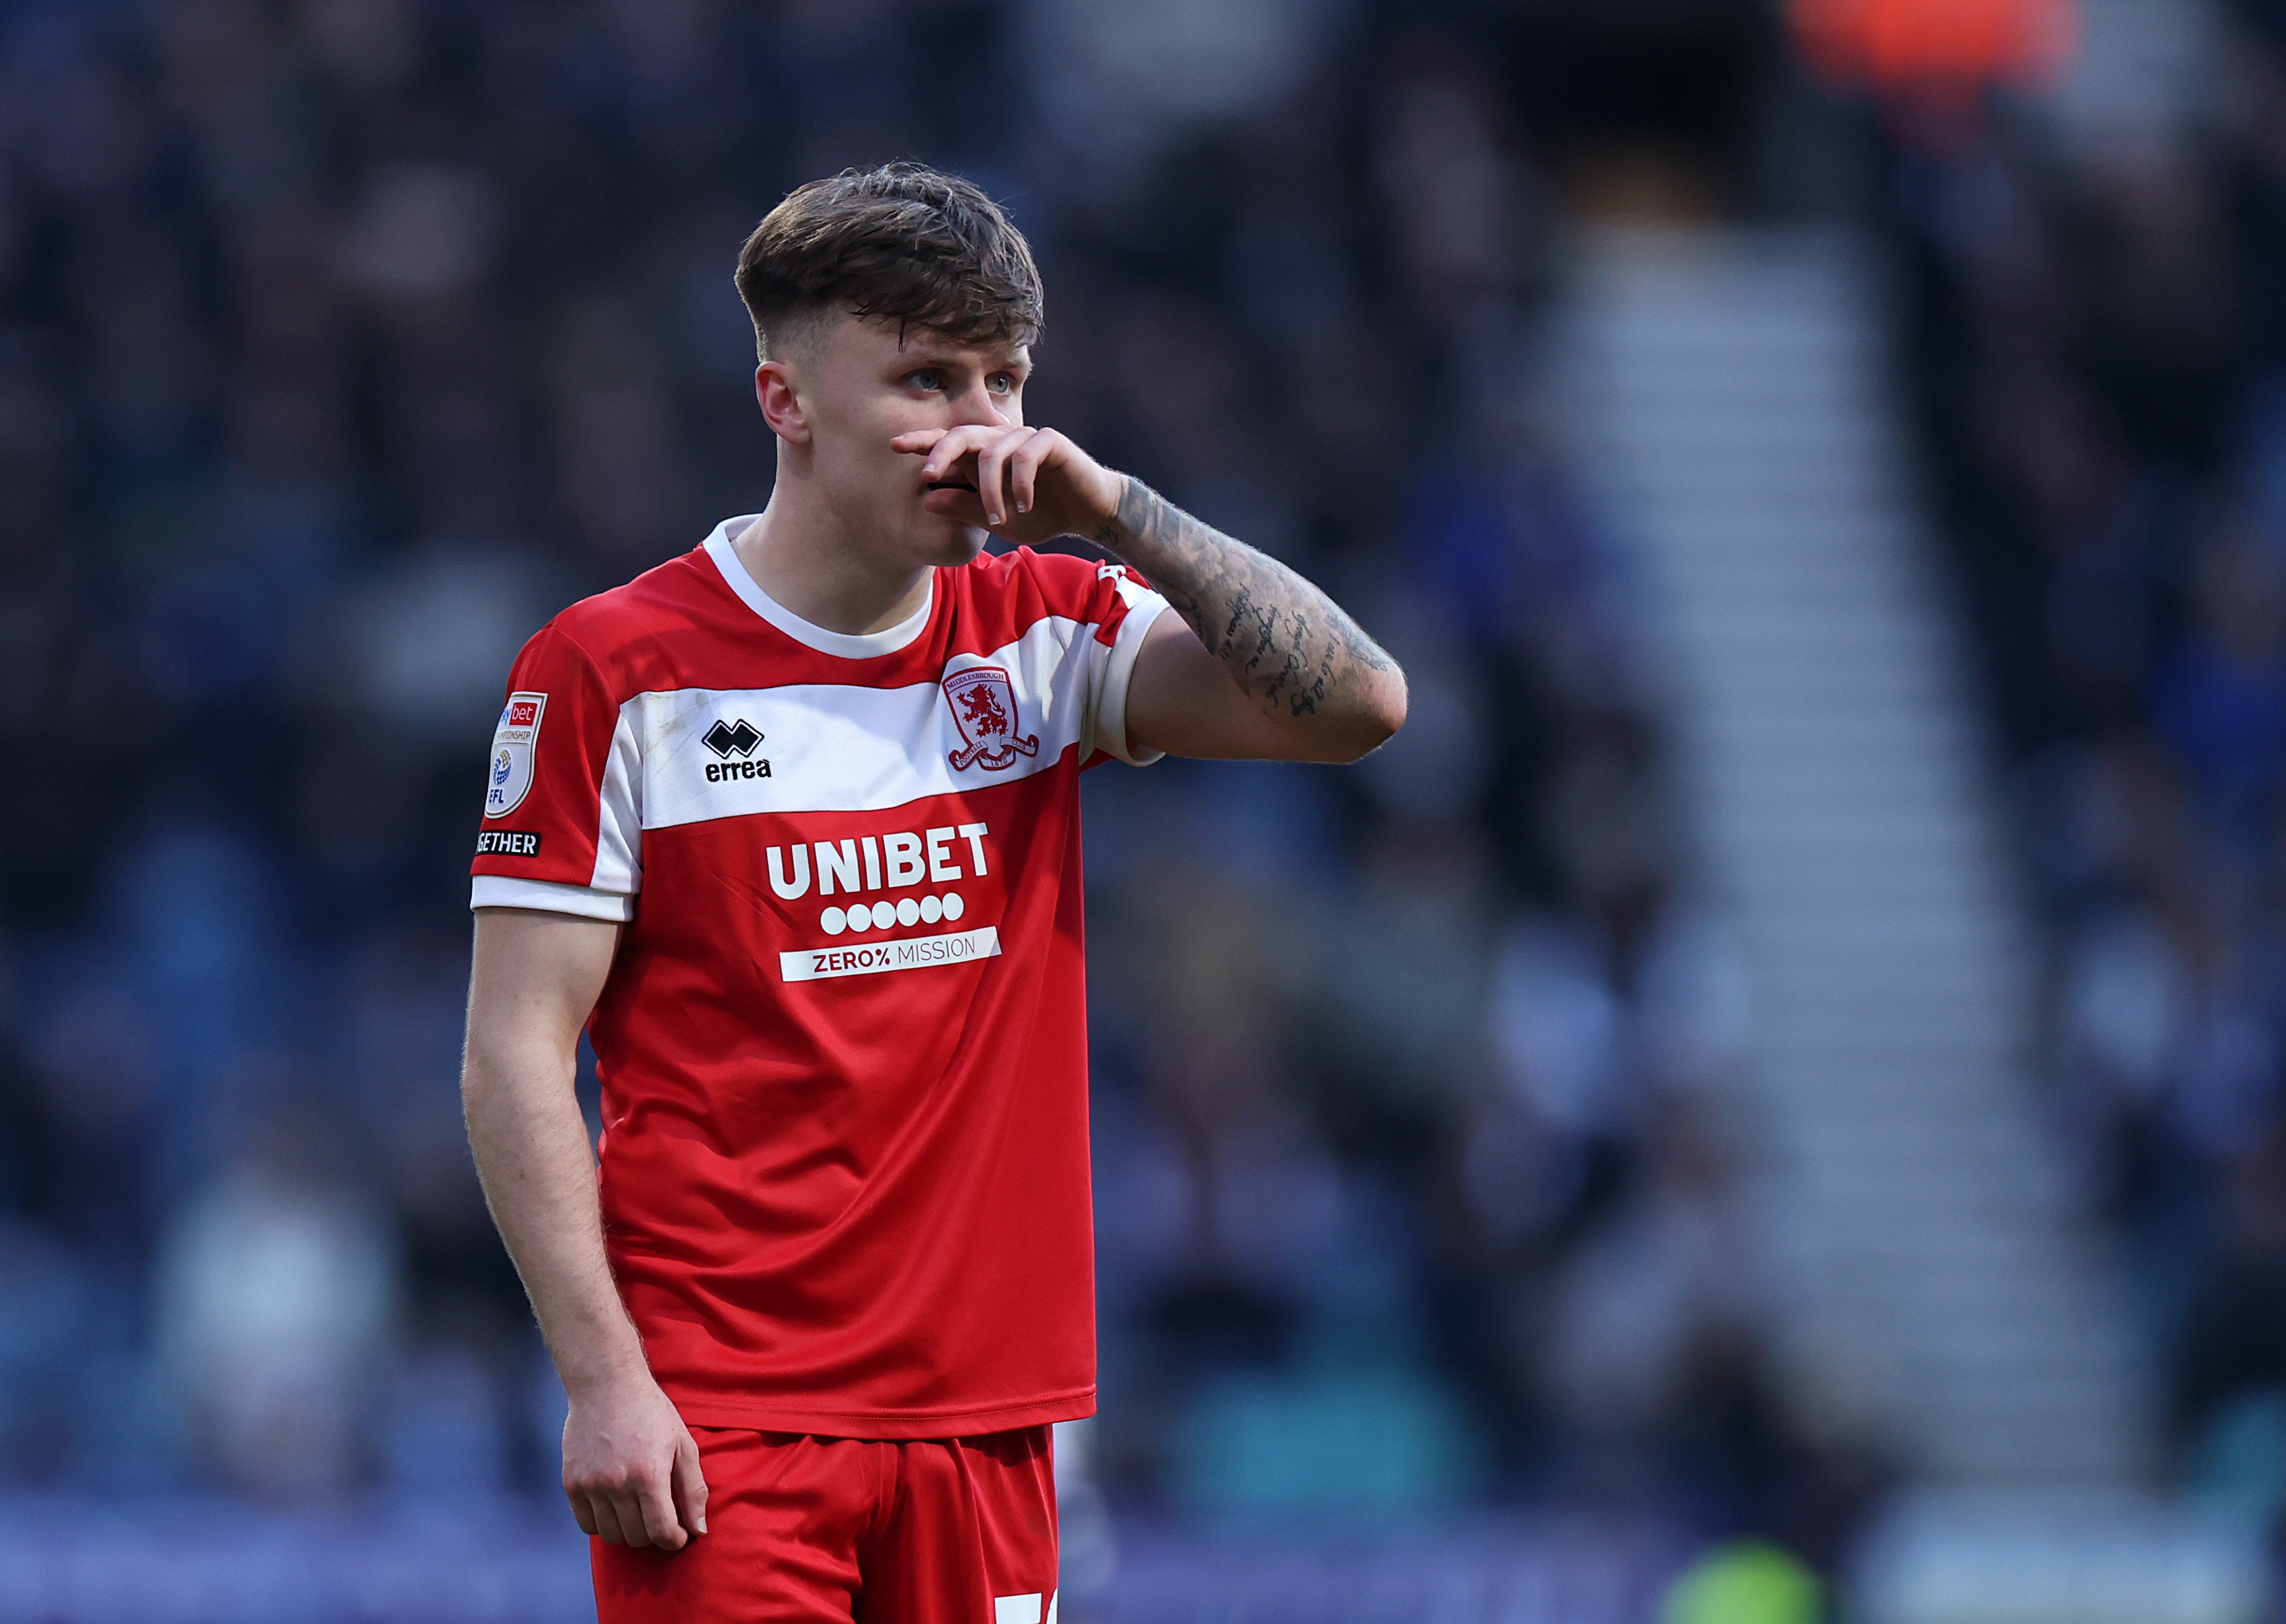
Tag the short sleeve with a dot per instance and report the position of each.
(1118, 608)
(561, 829)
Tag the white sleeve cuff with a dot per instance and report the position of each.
(1118, 671)
(507, 891)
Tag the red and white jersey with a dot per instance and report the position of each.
(843, 1047)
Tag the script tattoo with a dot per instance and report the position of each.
(1283, 640)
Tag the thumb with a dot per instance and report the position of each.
(689, 1484)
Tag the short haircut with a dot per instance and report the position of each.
(905, 243)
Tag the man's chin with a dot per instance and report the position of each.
(954, 543)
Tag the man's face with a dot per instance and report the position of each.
(859, 387)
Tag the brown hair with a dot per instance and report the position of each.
(905, 243)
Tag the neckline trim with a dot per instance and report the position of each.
(848, 646)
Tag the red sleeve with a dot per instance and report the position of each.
(1119, 607)
(558, 829)
(1100, 595)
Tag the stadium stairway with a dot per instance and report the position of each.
(1730, 394)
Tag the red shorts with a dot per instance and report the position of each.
(936, 1531)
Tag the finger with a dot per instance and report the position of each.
(991, 473)
(655, 1508)
(915, 440)
(627, 1511)
(954, 445)
(951, 447)
(1024, 467)
(582, 1513)
(689, 1486)
(606, 1518)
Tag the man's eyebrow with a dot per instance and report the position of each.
(923, 352)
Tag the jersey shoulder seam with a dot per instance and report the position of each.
(605, 607)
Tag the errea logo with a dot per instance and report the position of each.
(733, 739)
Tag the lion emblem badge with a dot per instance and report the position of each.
(984, 709)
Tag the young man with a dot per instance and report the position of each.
(791, 825)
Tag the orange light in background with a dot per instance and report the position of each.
(1917, 46)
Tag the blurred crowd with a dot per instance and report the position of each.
(2096, 325)
(342, 342)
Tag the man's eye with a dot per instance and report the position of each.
(926, 379)
(1002, 384)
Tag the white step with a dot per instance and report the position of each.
(1733, 408)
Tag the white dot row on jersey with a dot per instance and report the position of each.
(880, 916)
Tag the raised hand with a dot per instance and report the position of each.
(1028, 484)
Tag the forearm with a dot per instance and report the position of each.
(532, 1152)
(1289, 647)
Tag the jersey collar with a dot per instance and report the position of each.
(866, 645)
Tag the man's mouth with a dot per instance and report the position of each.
(952, 485)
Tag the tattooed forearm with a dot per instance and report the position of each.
(1284, 642)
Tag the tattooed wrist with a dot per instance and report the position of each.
(1282, 640)
(1130, 514)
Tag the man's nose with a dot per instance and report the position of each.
(977, 403)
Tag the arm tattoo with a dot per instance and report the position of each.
(1284, 642)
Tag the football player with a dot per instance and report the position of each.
(790, 825)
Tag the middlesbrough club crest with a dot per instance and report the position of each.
(984, 708)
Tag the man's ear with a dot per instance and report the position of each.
(782, 408)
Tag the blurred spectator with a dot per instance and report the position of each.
(276, 1292)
